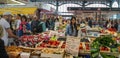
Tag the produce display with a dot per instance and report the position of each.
(46, 45)
(103, 44)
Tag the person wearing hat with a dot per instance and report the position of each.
(3, 53)
(6, 28)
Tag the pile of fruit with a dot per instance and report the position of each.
(52, 51)
(63, 45)
(84, 46)
(81, 46)
(13, 49)
(49, 44)
(29, 40)
(104, 49)
(87, 46)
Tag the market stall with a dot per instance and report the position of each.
(52, 44)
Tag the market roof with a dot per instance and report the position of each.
(79, 2)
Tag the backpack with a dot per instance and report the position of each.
(40, 28)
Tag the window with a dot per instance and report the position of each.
(63, 8)
(115, 4)
(96, 5)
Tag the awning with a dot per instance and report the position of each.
(28, 10)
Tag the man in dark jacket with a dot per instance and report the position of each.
(50, 23)
(34, 25)
(90, 22)
(116, 25)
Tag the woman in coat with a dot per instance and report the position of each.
(24, 28)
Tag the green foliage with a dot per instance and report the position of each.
(107, 56)
(105, 41)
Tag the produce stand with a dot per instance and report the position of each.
(46, 45)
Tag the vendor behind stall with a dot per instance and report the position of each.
(6, 28)
(3, 53)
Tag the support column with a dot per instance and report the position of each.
(118, 3)
(83, 3)
(57, 5)
(110, 5)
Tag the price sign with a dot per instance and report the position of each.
(72, 45)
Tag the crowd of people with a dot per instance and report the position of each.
(15, 26)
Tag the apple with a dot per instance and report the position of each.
(102, 48)
(87, 46)
(63, 46)
(80, 47)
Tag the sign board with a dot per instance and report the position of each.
(93, 33)
(72, 45)
(93, 9)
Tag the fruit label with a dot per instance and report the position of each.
(72, 45)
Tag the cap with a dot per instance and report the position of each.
(7, 13)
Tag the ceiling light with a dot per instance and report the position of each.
(19, 3)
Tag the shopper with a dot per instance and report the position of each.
(71, 29)
(106, 23)
(57, 24)
(6, 28)
(42, 26)
(24, 28)
(34, 25)
(116, 25)
(29, 20)
(12, 27)
(50, 23)
(109, 24)
(90, 22)
(3, 53)
(17, 23)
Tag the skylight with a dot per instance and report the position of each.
(115, 4)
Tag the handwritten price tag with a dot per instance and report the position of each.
(72, 45)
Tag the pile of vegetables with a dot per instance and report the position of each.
(105, 41)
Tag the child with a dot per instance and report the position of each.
(3, 53)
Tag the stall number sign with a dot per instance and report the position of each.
(72, 45)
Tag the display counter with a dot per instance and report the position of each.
(51, 46)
